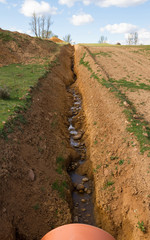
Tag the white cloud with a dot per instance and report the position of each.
(40, 8)
(104, 3)
(127, 29)
(81, 19)
(119, 28)
(69, 3)
(2, 1)
(144, 36)
(120, 3)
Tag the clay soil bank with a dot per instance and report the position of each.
(35, 188)
(121, 173)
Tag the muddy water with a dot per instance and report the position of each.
(83, 210)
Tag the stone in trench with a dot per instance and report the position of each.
(78, 136)
(83, 209)
(76, 219)
(85, 189)
(89, 191)
(86, 221)
(88, 215)
(76, 145)
(81, 191)
(83, 200)
(85, 179)
(31, 175)
(80, 186)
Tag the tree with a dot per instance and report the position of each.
(103, 39)
(40, 26)
(132, 38)
(67, 38)
(135, 38)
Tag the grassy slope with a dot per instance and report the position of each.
(17, 80)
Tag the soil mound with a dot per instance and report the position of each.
(21, 48)
(56, 40)
(34, 189)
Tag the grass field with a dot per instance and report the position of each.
(17, 80)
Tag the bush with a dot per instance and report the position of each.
(4, 93)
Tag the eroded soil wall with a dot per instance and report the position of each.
(119, 170)
(35, 187)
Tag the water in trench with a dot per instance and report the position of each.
(83, 210)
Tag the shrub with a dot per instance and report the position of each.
(4, 93)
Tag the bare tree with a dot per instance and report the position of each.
(40, 26)
(49, 23)
(43, 26)
(135, 38)
(103, 39)
(132, 38)
(34, 24)
(67, 38)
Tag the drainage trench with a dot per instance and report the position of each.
(83, 208)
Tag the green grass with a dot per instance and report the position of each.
(60, 164)
(6, 36)
(60, 188)
(141, 226)
(121, 162)
(108, 184)
(97, 168)
(19, 80)
(97, 44)
(36, 206)
(104, 54)
(128, 84)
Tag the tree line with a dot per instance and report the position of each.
(132, 39)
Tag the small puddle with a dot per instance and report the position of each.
(83, 209)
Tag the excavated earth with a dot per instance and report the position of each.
(35, 195)
(30, 204)
(121, 173)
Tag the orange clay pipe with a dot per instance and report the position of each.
(77, 231)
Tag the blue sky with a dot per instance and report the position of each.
(85, 20)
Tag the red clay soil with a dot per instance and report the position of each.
(132, 65)
(121, 173)
(34, 194)
(56, 40)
